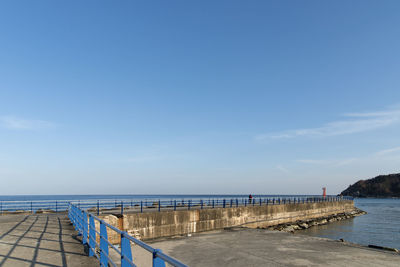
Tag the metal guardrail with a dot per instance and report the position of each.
(84, 223)
(33, 206)
(156, 204)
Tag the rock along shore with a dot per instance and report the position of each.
(305, 224)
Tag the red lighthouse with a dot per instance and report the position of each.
(324, 191)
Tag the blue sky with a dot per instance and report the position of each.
(197, 97)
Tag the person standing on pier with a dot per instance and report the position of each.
(250, 198)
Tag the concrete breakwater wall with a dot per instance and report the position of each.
(150, 225)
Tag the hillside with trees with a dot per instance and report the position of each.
(380, 186)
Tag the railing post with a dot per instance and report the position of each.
(159, 205)
(201, 203)
(56, 207)
(157, 262)
(141, 206)
(103, 245)
(260, 201)
(223, 203)
(81, 222)
(126, 251)
(237, 203)
(85, 228)
(189, 204)
(92, 236)
(122, 207)
(71, 214)
(75, 219)
(98, 207)
(31, 207)
(174, 205)
(231, 202)
(78, 221)
(213, 204)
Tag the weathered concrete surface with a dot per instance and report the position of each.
(256, 247)
(40, 240)
(149, 225)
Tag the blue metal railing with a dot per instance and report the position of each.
(120, 205)
(34, 206)
(84, 223)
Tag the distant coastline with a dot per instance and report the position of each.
(382, 186)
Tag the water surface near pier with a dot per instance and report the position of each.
(381, 226)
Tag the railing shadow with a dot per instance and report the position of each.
(21, 237)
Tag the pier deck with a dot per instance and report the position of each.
(258, 247)
(40, 240)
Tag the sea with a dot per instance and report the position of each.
(380, 226)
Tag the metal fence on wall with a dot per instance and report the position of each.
(135, 205)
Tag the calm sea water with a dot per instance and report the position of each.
(381, 226)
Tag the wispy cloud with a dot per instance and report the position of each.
(282, 169)
(355, 123)
(388, 151)
(12, 122)
(312, 161)
(142, 159)
(333, 162)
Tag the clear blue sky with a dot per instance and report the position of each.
(197, 96)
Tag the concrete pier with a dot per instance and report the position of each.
(40, 240)
(50, 240)
(258, 247)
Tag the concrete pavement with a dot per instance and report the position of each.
(258, 247)
(40, 240)
(49, 240)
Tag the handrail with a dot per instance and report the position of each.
(159, 204)
(79, 219)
